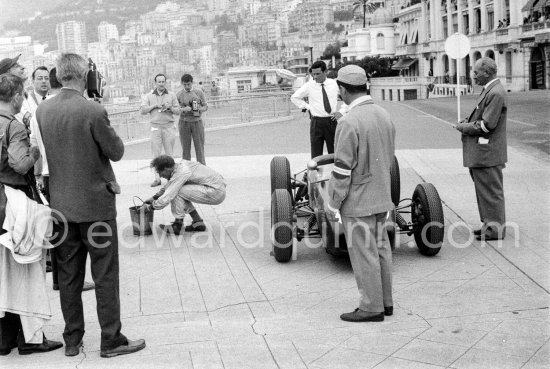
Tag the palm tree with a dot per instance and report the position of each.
(368, 7)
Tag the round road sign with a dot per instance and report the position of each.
(457, 46)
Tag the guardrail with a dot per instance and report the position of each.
(131, 125)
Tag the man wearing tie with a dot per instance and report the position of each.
(322, 94)
(485, 149)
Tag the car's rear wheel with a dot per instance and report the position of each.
(395, 178)
(427, 218)
(280, 174)
(281, 225)
(391, 224)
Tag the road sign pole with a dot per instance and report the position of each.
(457, 46)
(458, 88)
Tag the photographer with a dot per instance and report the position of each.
(162, 105)
(191, 126)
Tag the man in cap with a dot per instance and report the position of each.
(24, 306)
(359, 191)
(11, 65)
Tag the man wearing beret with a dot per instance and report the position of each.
(359, 191)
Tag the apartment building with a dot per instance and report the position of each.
(515, 33)
(311, 16)
(71, 37)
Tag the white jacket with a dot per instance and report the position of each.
(28, 225)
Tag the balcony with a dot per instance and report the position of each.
(532, 28)
(502, 32)
(395, 81)
(406, 50)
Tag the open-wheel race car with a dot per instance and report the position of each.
(297, 210)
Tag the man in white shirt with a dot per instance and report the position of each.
(322, 94)
(41, 86)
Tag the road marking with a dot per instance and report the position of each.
(429, 115)
(520, 122)
(424, 114)
(536, 133)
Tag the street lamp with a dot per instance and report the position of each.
(310, 46)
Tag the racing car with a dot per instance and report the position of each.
(298, 203)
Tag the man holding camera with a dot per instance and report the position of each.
(193, 103)
(162, 105)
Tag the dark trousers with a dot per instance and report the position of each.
(46, 181)
(192, 130)
(71, 257)
(321, 130)
(10, 325)
(489, 188)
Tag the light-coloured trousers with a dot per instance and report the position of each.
(198, 194)
(371, 259)
(192, 130)
(162, 138)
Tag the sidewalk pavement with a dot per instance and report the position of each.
(219, 300)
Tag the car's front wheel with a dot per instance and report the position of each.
(281, 225)
(427, 218)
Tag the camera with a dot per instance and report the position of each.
(195, 108)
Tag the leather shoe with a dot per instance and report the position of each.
(88, 286)
(6, 350)
(388, 310)
(175, 228)
(128, 348)
(196, 227)
(73, 350)
(45, 346)
(155, 183)
(486, 237)
(359, 315)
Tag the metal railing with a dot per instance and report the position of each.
(224, 111)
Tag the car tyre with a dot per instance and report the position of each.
(281, 225)
(428, 220)
(391, 224)
(280, 174)
(395, 178)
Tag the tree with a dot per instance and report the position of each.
(375, 66)
(368, 7)
(332, 50)
(343, 15)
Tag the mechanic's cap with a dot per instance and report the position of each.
(352, 75)
(8, 63)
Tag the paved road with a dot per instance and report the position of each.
(528, 118)
(218, 300)
(528, 129)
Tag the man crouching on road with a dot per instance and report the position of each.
(188, 182)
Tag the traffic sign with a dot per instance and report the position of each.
(457, 46)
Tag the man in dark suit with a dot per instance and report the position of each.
(484, 149)
(79, 144)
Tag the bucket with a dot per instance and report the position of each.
(141, 219)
